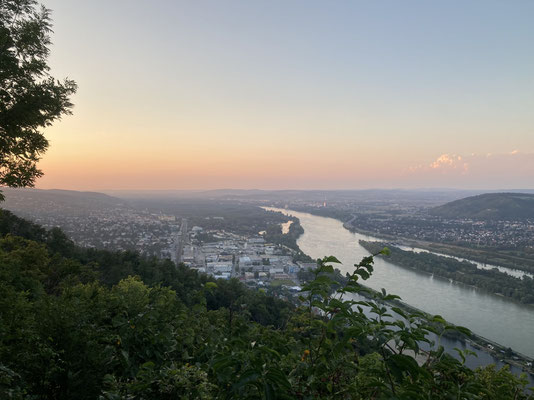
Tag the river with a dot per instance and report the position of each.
(496, 318)
(285, 226)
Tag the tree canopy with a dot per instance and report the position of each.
(81, 323)
(30, 98)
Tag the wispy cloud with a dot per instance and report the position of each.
(504, 169)
(450, 162)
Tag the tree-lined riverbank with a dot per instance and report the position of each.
(484, 313)
(492, 281)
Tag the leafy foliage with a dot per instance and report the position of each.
(30, 98)
(86, 324)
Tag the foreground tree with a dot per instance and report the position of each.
(30, 98)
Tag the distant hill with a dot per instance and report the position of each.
(489, 206)
(49, 202)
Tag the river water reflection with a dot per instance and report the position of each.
(496, 318)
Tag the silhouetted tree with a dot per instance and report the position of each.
(30, 98)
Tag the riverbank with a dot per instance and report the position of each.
(327, 236)
(463, 272)
(499, 352)
(490, 347)
(501, 258)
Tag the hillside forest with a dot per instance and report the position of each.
(94, 324)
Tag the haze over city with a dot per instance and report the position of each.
(304, 95)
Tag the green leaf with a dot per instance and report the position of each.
(328, 269)
(440, 319)
(399, 311)
(364, 274)
(461, 354)
(385, 251)
(330, 259)
(404, 363)
(267, 350)
(279, 378)
(464, 330)
(247, 378)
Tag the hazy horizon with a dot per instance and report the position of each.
(371, 189)
(293, 95)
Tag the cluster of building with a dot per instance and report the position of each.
(219, 253)
(217, 250)
(229, 255)
(494, 234)
(117, 229)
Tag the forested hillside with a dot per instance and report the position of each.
(47, 202)
(489, 206)
(80, 323)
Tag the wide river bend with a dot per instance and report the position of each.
(496, 318)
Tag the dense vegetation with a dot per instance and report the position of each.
(87, 324)
(521, 259)
(489, 206)
(493, 280)
(47, 203)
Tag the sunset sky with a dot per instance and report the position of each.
(293, 94)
